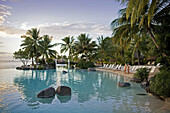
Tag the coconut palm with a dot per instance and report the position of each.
(45, 47)
(144, 12)
(105, 48)
(67, 45)
(32, 36)
(28, 47)
(85, 46)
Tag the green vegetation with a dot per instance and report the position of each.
(85, 64)
(141, 31)
(22, 55)
(142, 74)
(35, 47)
(160, 84)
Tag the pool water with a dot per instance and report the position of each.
(92, 92)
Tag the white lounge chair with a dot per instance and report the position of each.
(112, 66)
(152, 69)
(158, 65)
(116, 67)
(109, 66)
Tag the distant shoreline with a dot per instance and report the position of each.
(8, 64)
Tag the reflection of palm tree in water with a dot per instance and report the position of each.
(31, 82)
(86, 85)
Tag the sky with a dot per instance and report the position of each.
(57, 18)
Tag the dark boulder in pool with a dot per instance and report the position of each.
(65, 72)
(63, 91)
(123, 84)
(46, 93)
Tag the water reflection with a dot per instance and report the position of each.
(46, 100)
(31, 82)
(86, 86)
(64, 99)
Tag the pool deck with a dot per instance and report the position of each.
(130, 75)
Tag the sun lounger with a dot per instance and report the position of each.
(119, 68)
(152, 69)
(103, 66)
(106, 66)
(158, 65)
(116, 67)
(110, 66)
(153, 63)
(148, 63)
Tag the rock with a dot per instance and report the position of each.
(123, 84)
(65, 72)
(91, 69)
(46, 93)
(145, 84)
(148, 89)
(137, 80)
(63, 91)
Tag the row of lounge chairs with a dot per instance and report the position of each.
(132, 69)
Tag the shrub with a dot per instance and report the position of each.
(85, 64)
(142, 74)
(164, 62)
(40, 67)
(51, 62)
(160, 84)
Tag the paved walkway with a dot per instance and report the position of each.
(130, 75)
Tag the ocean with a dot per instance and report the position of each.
(10, 64)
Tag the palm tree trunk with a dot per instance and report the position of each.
(122, 53)
(154, 40)
(36, 57)
(32, 60)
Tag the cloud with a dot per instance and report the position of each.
(4, 12)
(11, 30)
(1, 44)
(60, 30)
(24, 26)
(4, 53)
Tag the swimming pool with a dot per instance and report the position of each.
(92, 92)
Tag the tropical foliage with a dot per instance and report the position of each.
(160, 84)
(142, 74)
(45, 48)
(84, 46)
(36, 47)
(85, 64)
(22, 55)
(67, 45)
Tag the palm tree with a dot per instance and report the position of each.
(33, 38)
(45, 47)
(101, 48)
(27, 43)
(67, 45)
(105, 48)
(85, 46)
(144, 12)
